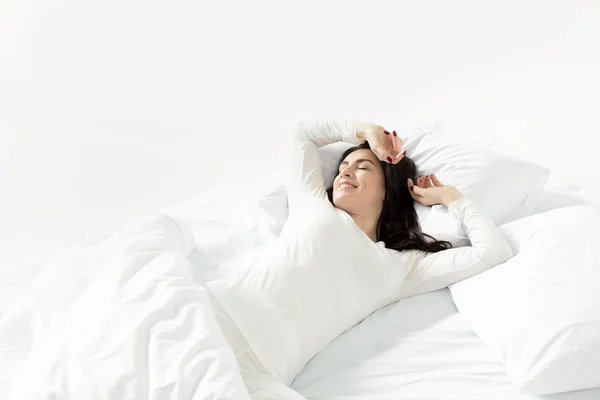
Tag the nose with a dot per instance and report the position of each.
(346, 172)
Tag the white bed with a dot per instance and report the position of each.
(418, 348)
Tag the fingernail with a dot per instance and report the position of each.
(412, 188)
(389, 159)
(404, 152)
(386, 132)
(394, 132)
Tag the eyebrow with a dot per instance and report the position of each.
(358, 161)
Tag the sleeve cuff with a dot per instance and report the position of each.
(351, 132)
(458, 207)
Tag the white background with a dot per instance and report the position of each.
(113, 108)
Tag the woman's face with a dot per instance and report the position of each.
(359, 186)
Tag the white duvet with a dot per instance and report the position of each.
(120, 318)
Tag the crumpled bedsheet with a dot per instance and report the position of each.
(119, 317)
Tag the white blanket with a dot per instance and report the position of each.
(120, 318)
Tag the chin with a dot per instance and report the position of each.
(341, 201)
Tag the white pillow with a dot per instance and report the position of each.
(490, 133)
(539, 312)
(505, 187)
(330, 157)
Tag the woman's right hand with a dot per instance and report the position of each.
(385, 145)
(430, 191)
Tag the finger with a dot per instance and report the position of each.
(415, 196)
(411, 190)
(383, 155)
(394, 138)
(421, 181)
(397, 143)
(436, 181)
(399, 156)
(419, 191)
(411, 184)
(387, 150)
(389, 155)
(428, 183)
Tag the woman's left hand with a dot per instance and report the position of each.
(430, 191)
(385, 145)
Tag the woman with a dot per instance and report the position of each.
(344, 253)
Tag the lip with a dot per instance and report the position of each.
(347, 183)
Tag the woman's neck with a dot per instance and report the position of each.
(367, 225)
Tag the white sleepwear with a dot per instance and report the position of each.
(327, 275)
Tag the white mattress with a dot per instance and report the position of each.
(418, 348)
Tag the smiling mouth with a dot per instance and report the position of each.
(346, 186)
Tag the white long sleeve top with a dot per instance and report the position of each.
(327, 275)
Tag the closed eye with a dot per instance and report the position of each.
(362, 163)
(364, 168)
